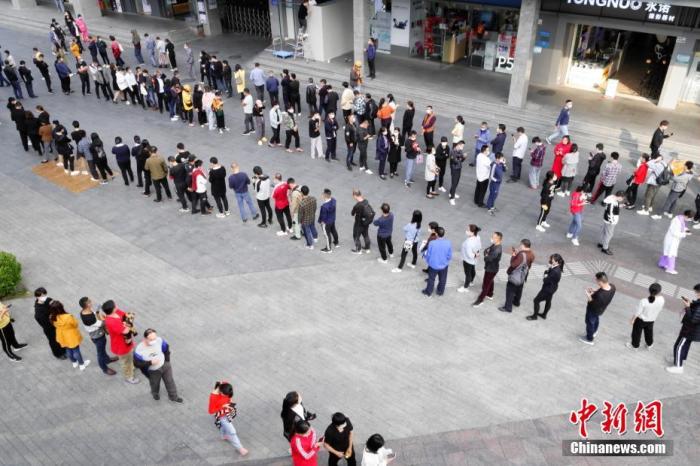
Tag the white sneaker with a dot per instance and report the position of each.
(442, 189)
(629, 345)
(696, 227)
(75, 364)
(220, 216)
(561, 194)
(391, 256)
(642, 212)
(368, 171)
(412, 266)
(396, 270)
(655, 217)
(310, 247)
(452, 202)
(462, 289)
(227, 213)
(67, 172)
(569, 235)
(546, 225)
(171, 119)
(84, 172)
(85, 364)
(59, 164)
(575, 242)
(583, 340)
(382, 261)
(540, 228)
(456, 196)
(672, 272)
(366, 251)
(74, 173)
(281, 233)
(667, 214)
(93, 179)
(650, 347)
(184, 210)
(674, 369)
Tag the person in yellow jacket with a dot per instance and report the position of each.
(187, 103)
(67, 334)
(239, 76)
(7, 334)
(75, 51)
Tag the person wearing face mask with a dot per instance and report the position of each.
(482, 138)
(41, 315)
(550, 283)
(395, 144)
(383, 146)
(428, 126)
(152, 356)
(471, 247)
(456, 160)
(442, 154)
(338, 440)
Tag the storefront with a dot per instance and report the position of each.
(177, 9)
(619, 48)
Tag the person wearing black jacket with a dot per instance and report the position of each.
(13, 78)
(123, 156)
(170, 49)
(331, 101)
(64, 148)
(32, 125)
(598, 302)
(442, 154)
(43, 70)
(658, 138)
(284, 82)
(178, 173)
(350, 141)
(311, 99)
(41, 315)
(492, 260)
(550, 284)
(217, 180)
(140, 152)
(457, 158)
(331, 129)
(407, 122)
(19, 117)
(26, 75)
(364, 216)
(294, 94)
(322, 94)
(595, 161)
(690, 331)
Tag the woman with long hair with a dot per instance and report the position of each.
(411, 232)
(643, 320)
(293, 412)
(67, 334)
(550, 284)
(223, 408)
(305, 445)
(99, 157)
(549, 187)
(579, 200)
(395, 145)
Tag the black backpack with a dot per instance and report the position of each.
(368, 218)
(664, 178)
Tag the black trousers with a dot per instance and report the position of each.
(203, 201)
(631, 194)
(547, 298)
(103, 167)
(360, 231)
(513, 295)
(640, 326)
(181, 193)
(47, 80)
(331, 234)
(295, 102)
(330, 148)
(127, 173)
(24, 137)
(275, 139)
(333, 460)
(517, 167)
(283, 214)
(162, 183)
(106, 91)
(65, 84)
(442, 165)
(589, 180)
(385, 245)
(8, 339)
(288, 138)
(141, 176)
(480, 192)
(221, 202)
(265, 210)
(363, 155)
(469, 273)
(50, 332)
(370, 64)
(404, 254)
(428, 139)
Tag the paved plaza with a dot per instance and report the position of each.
(444, 383)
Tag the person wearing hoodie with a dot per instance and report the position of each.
(481, 138)
(326, 218)
(262, 187)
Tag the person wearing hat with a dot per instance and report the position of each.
(356, 76)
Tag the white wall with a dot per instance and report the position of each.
(330, 29)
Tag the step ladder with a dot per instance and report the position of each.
(298, 50)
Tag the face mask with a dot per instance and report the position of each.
(444, 144)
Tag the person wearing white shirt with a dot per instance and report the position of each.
(375, 453)
(648, 310)
(519, 149)
(123, 86)
(457, 131)
(247, 104)
(483, 171)
(471, 247)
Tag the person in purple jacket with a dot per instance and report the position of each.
(326, 218)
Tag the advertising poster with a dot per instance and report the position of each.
(380, 30)
(400, 22)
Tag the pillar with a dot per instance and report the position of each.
(677, 72)
(361, 17)
(522, 66)
(88, 8)
(208, 17)
(21, 4)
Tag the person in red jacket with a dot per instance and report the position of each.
(280, 194)
(117, 50)
(119, 326)
(428, 127)
(560, 150)
(222, 407)
(305, 445)
(640, 175)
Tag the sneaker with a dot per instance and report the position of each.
(490, 298)
(382, 261)
(575, 242)
(442, 189)
(413, 266)
(672, 272)
(546, 225)
(326, 250)
(336, 246)
(310, 247)
(477, 303)
(177, 399)
(245, 133)
(540, 228)
(74, 173)
(356, 251)
(227, 213)
(281, 233)
(462, 289)
(649, 347)
(456, 196)
(59, 164)
(20, 346)
(674, 369)
(366, 251)
(75, 364)
(561, 194)
(569, 235)
(668, 214)
(15, 358)
(220, 215)
(183, 210)
(583, 340)
(452, 202)
(655, 217)
(132, 380)
(396, 270)
(368, 171)
(642, 212)
(84, 364)
(629, 345)
(696, 227)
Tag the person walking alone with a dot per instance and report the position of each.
(562, 123)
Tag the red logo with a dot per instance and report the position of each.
(647, 417)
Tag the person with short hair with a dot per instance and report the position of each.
(364, 216)
(643, 319)
(307, 217)
(326, 218)
(437, 255)
(247, 103)
(385, 227)
(223, 408)
(471, 248)
(375, 453)
(199, 190)
(609, 178)
(119, 326)
(330, 126)
(123, 155)
(350, 131)
(658, 138)
(576, 207)
(294, 201)
(611, 216)
(562, 123)
(41, 315)
(598, 301)
(93, 323)
(152, 356)
(521, 260)
(595, 162)
(262, 186)
(550, 284)
(519, 149)
(7, 335)
(178, 172)
(158, 171)
(238, 181)
(679, 184)
(305, 445)
(637, 179)
(338, 440)
(492, 259)
(498, 171)
(280, 194)
(457, 158)
(690, 331)
(315, 145)
(217, 180)
(538, 151)
(483, 173)
(67, 334)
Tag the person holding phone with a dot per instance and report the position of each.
(550, 284)
(7, 333)
(305, 445)
(293, 412)
(598, 302)
(690, 331)
(338, 440)
(375, 453)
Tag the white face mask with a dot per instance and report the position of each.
(444, 144)
(342, 426)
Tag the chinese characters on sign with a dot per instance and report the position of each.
(658, 11)
(647, 417)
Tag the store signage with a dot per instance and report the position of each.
(654, 11)
(504, 64)
(621, 4)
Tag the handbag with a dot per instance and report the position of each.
(408, 244)
(517, 277)
(420, 159)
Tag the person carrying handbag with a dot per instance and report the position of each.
(521, 260)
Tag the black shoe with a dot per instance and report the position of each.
(195, 212)
(356, 251)
(600, 246)
(63, 356)
(157, 200)
(177, 399)
(353, 164)
(503, 309)
(15, 358)
(262, 225)
(607, 251)
(532, 317)
(20, 346)
(477, 303)
(156, 396)
(113, 359)
(349, 168)
(544, 316)
(257, 216)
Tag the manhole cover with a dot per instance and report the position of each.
(546, 92)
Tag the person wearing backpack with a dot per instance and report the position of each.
(657, 175)
(364, 216)
(521, 260)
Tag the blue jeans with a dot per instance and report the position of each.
(219, 84)
(493, 194)
(592, 322)
(102, 357)
(575, 227)
(562, 130)
(228, 433)
(242, 199)
(442, 281)
(310, 233)
(139, 57)
(74, 355)
(410, 166)
(172, 106)
(351, 154)
(17, 88)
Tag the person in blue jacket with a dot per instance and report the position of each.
(438, 256)
(498, 169)
(385, 227)
(371, 55)
(562, 123)
(272, 85)
(500, 140)
(326, 218)
(64, 74)
(481, 138)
